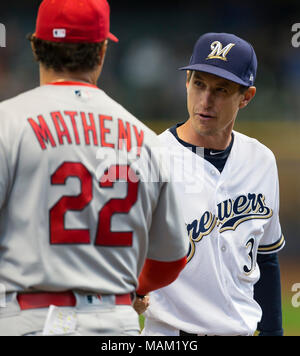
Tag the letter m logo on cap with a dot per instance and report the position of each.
(218, 51)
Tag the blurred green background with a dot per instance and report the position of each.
(141, 73)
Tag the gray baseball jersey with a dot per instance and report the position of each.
(78, 210)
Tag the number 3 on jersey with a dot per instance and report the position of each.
(250, 244)
(104, 236)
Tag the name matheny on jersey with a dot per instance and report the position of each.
(74, 127)
(230, 214)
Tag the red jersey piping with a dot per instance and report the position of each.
(73, 83)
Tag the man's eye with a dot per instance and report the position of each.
(222, 90)
(198, 83)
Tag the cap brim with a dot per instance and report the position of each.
(112, 37)
(216, 71)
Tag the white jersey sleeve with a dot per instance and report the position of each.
(272, 239)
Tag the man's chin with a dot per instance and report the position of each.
(206, 131)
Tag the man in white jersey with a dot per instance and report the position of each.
(231, 208)
(82, 225)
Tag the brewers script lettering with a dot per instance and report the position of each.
(230, 214)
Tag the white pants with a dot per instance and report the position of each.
(158, 328)
(106, 319)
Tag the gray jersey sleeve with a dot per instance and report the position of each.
(4, 173)
(168, 239)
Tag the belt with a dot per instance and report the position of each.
(184, 333)
(60, 299)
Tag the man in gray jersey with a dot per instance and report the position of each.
(81, 230)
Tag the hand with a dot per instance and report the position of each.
(141, 304)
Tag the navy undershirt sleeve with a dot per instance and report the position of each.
(267, 293)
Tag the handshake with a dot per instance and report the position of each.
(141, 303)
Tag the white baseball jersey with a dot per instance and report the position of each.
(230, 217)
(77, 211)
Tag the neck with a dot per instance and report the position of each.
(216, 141)
(51, 76)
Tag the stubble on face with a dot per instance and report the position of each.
(213, 104)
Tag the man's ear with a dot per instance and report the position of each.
(33, 48)
(247, 97)
(103, 52)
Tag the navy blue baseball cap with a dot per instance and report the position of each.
(226, 56)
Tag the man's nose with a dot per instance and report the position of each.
(206, 99)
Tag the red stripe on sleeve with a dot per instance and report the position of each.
(157, 274)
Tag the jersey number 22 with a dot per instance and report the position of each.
(104, 236)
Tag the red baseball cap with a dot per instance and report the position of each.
(74, 21)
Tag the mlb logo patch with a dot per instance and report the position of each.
(59, 33)
(82, 94)
(94, 299)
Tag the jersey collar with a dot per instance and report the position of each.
(73, 83)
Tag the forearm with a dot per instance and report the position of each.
(157, 274)
(267, 293)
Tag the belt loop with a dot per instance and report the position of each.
(11, 304)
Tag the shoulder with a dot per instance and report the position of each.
(167, 138)
(253, 147)
(21, 105)
(12, 109)
(12, 104)
(164, 135)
